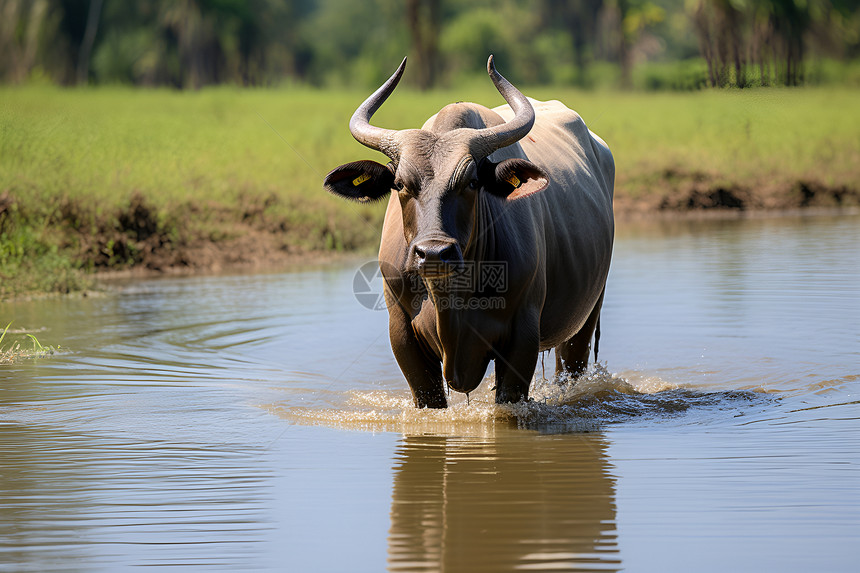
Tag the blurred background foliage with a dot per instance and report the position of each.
(650, 44)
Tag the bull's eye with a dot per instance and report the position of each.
(405, 193)
(398, 185)
(474, 184)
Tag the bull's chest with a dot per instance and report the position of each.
(459, 332)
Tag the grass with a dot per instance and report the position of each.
(740, 136)
(118, 178)
(14, 352)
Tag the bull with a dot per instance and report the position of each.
(511, 205)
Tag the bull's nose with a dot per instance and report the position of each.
(437, 253)
(437, 258)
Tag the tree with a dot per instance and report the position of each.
(194, 43)
(89, 38)
(23, 25)
(580, 19)
(772, 35)
(423, 19)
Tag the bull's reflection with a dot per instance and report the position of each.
(515, 501)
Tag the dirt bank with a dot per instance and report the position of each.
(253, 242)
(65, 247)
(693, 193)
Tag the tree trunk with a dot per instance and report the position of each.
(624, 55)
(89, 39)
(424, 25)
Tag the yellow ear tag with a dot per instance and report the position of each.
(514, 181)
(360, 179)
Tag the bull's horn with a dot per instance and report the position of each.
(486, 141)
(376, 137)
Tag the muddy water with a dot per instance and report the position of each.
(260, 423)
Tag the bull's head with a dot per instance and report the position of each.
(438, 175)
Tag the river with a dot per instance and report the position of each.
(260, 422)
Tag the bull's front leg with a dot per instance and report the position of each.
(423, 373)
(516, 362)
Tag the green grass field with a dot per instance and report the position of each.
(116, 177)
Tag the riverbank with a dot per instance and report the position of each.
(114, 179)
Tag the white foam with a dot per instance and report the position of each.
(561, 401)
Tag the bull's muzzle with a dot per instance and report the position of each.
(437, 258)
(461, 387)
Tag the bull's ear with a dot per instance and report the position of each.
(513, 179)
(361, 181)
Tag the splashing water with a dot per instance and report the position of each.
(559, 404)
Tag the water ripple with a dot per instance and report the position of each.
(557, 405)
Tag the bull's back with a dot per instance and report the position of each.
(575, 213)
(566, 149)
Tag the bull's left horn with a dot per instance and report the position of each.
(486, 141)
(369, 135)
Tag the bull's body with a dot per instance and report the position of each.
(556, 246)
(553, 242)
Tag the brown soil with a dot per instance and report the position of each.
(148, 248)
(253, 251)
(141, 240)
(138, 240)
(698, 193)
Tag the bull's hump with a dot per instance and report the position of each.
(462, 115)
(552, 111)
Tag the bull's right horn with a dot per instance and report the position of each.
(371, 136)
(487, 140)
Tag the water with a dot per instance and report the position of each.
(260, 423)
